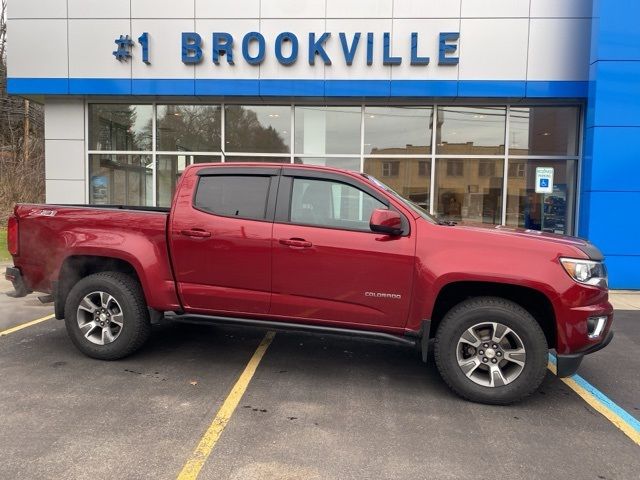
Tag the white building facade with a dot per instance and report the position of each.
(456, 104)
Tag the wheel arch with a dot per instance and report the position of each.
(76, 267)
(533, 301)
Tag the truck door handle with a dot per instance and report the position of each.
(196, 232)
(296, 242)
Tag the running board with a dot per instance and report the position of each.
(292, 327)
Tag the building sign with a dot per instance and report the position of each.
(288, 48)
(544, 180)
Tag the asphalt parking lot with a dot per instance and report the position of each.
(316, 408)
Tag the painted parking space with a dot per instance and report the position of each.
(314, 407)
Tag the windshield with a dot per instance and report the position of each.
(416, 208)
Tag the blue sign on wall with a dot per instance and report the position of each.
(286, 48)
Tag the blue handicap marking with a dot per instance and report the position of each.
(544, 183)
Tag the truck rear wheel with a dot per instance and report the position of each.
(491, 350)
(106, 316)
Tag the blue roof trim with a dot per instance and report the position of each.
(299, 87)
(100, 86)
(570, 89)
(227, 87)
(163, 87)
(40, 86)
(492, 88)
(424, 88)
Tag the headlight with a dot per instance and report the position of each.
(588, 272)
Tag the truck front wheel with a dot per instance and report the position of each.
(106, 316)
(491, 350)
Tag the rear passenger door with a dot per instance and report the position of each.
(221, 231)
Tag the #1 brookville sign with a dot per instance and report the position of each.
(286, 47)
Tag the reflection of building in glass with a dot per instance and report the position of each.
(393, 143)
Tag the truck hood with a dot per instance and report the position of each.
(551, 238)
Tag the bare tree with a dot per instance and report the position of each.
(21, 140)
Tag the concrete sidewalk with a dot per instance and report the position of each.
(625, 299)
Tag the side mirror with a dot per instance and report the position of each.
(386, 221)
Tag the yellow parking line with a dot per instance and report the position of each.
(208, 441)
(24, 325)
(602, 404)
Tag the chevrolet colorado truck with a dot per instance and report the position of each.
(316, 249)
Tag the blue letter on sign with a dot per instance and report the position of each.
(287, 36)
(191, 47)
(349, 53)
(445, 48)
(222, 48)
(257, 60)
(316, 48)
(144, 41)
(387, 59)
(370, 48)
(415, 59)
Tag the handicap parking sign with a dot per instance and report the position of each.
(544, 180)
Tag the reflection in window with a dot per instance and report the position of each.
(549, 212)
(190, 128)
(390, 168)
(120, 180)
(169, 168)
(250, 159)
(331, 204)
(327, 130)
(257, 128)
(233, 196)
(412, 180)
(455, 167)
(345, 163)
(486, 168)
(517, 168)
(397, 130)
(471, 130)
(469, 197)
(543, 131)
(120, 127)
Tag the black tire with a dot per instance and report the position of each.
(136, 327)
(491, 309)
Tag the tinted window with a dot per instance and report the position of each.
(234, 196)
(331, 204)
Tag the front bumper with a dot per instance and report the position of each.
(14, 275)
(568, 364)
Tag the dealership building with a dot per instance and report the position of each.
(516, 113)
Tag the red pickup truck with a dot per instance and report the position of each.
(323, 250)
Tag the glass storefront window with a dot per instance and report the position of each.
(327, 130)
(120, 127)
(549, 212)
(397, 130)
(169, 168)
(410, 177)
(339, 162)
(543, 130)
(471, 130)
(188, 128)
(120, 179)
(392, 143)
(257, 128)
(469, 190)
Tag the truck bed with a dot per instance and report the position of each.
(53, 237)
